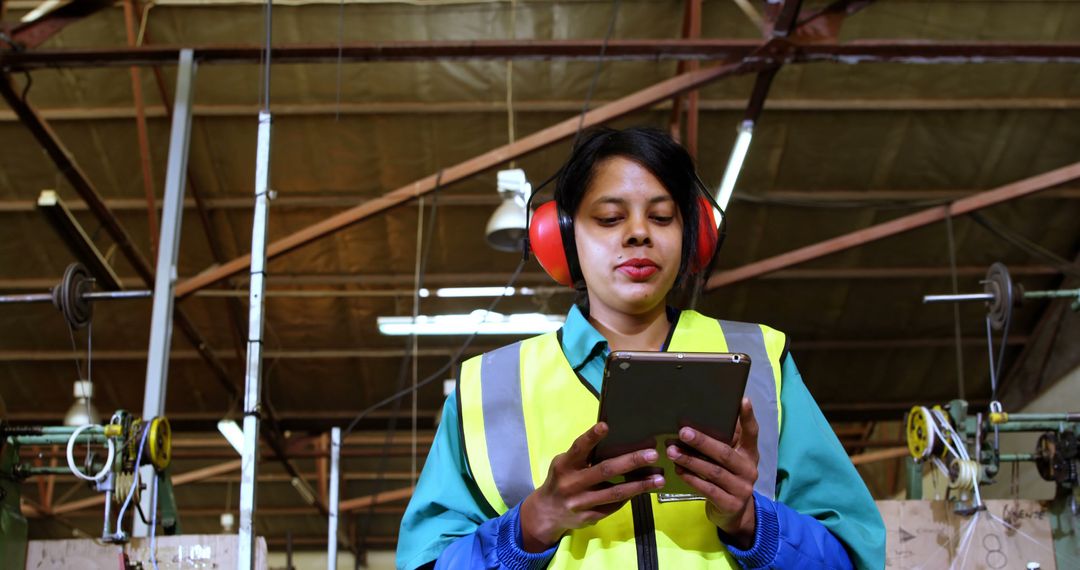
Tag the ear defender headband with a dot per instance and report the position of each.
(551, 237)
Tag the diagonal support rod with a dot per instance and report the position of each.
(903, 224)
(565, 129)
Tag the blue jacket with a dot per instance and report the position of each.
(783, 539)
(816, 522)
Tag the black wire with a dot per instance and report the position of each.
(596, 74)
(264, 95)
(869, 204)
(408, 356)
(581, 124)
(26, 88)
(956, 307)
(1011, 236)
(340, 50)
(1001, 353)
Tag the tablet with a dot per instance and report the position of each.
(648, 396)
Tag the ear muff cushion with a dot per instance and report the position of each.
(707, 236)
(545, 240)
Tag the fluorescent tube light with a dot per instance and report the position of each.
(233, 433)
(482, 291)
(42, 9)
(478, 322)
(734, 165)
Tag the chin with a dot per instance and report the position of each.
(641, 299)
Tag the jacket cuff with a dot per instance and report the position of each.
(766, 536)
(509, 549)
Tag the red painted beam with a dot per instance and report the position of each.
(900, 225)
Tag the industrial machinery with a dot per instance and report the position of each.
(115, 452)
(111, 454)
(963, 445)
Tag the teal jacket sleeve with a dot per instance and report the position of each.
(840, 500)
(446, 504)
(449, 521)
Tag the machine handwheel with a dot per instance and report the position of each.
(160, 443)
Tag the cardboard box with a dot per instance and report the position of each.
(928, 534)
(182, 552)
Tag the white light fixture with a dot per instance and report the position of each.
(305, 490)
(506, 228)
(734, 165)
(483, 291)
(82, 412)
(42, 9)
(233, 433)
(228, 520)
(477, 322)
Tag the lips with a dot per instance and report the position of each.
(638, 269)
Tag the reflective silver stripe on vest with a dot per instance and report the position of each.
(504, 423)
(748, 339)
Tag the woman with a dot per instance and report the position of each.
(508, 482)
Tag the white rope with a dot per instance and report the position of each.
(71, 456)
(965, 543)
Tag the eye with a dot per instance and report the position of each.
(608, 220)
(662, 219)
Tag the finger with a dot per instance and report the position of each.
(748, 429)
(579, 451)
(616, 493)
(726, 502)
(718, 452)
(620, 465)
(707, 470)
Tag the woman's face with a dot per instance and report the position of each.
(629, 238)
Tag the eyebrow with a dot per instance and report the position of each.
(617, 200)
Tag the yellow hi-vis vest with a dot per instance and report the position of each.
(523, 404)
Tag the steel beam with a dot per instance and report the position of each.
(774, 104)
(376, 499)
(565, 129)
(461, 279)
(161, 324)
(900, 225)
(235, 308)
(857, 51)
(253, 373)
(433, 352)
(333, 503)
(157, 366)
(795, 197)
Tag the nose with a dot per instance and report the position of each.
(637, 232)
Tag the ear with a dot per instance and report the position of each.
(546, 242)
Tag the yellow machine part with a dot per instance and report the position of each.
(921, 439)
(160, 443)
(919, 433)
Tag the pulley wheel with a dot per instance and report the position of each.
(1045, 453)
(999, 284)
(160, 442)
(68, 295)
(920, 433)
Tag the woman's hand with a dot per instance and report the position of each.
(724, 475)
(577, 494)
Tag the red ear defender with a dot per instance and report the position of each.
(545, 241)
(707, 236)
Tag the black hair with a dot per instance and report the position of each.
(655, 151)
